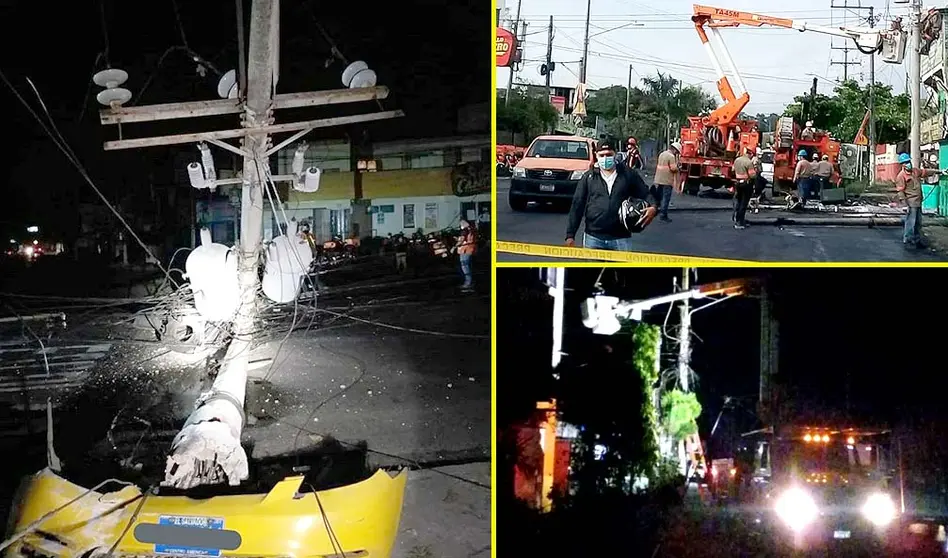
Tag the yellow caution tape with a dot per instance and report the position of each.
(549, 251)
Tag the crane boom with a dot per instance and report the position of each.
(868, 41)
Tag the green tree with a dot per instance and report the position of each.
(842, 112)
(527, 113)
(680, 411)
(612, 399)
(661, 100)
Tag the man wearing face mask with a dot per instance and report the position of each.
(908, 184)
(598, 199)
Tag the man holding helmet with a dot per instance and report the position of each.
(614, 201)
(908, 184)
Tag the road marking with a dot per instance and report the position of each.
(526, 249)
(23, 369)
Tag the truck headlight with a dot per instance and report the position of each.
(519, 172)
(796, 508)
(577, 174)
(879, 509)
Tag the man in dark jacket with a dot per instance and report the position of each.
(598, 198)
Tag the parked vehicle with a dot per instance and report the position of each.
(550, 170)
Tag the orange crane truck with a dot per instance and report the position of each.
(711, 143)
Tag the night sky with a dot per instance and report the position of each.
(880, 325)
(432, 69)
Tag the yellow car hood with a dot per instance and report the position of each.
(289, 521)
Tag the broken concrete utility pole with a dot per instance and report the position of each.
(207, 450)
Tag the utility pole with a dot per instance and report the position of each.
(628, 93)
(872, 103)
(582, 67)
(915, 83)
(684, 357)
(872, 83)
(549, 56)
(767, 400)
(684, 334)
(557, 276)
(516, 25)
(207, 450)
(845, 63)
(846, 7)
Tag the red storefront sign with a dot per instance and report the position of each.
(505, 46)
(559, 103)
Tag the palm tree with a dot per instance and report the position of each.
(664, 91)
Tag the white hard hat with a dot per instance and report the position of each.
(809, 122)
(676, 145)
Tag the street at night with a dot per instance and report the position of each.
(787, 372)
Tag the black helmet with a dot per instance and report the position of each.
(631, 212)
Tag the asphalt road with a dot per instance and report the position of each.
(702, 227)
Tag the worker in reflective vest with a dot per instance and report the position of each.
(466, 246)
(802, 177)
(908, 184)
(744, 173)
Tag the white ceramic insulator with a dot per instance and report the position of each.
(196, 175)
(310, 181)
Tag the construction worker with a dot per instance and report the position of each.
(598, 199)
(814, 179)
(633, 157)
(466, 246)
(744, 174)
(801, 178)
(401, 253)
(824, 172)
(908, 184)
(667, 178)
(809, 132)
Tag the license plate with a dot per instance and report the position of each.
(841, 534)
(547, 187)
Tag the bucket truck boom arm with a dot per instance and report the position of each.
(868, 41)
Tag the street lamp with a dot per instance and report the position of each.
(602, 313)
